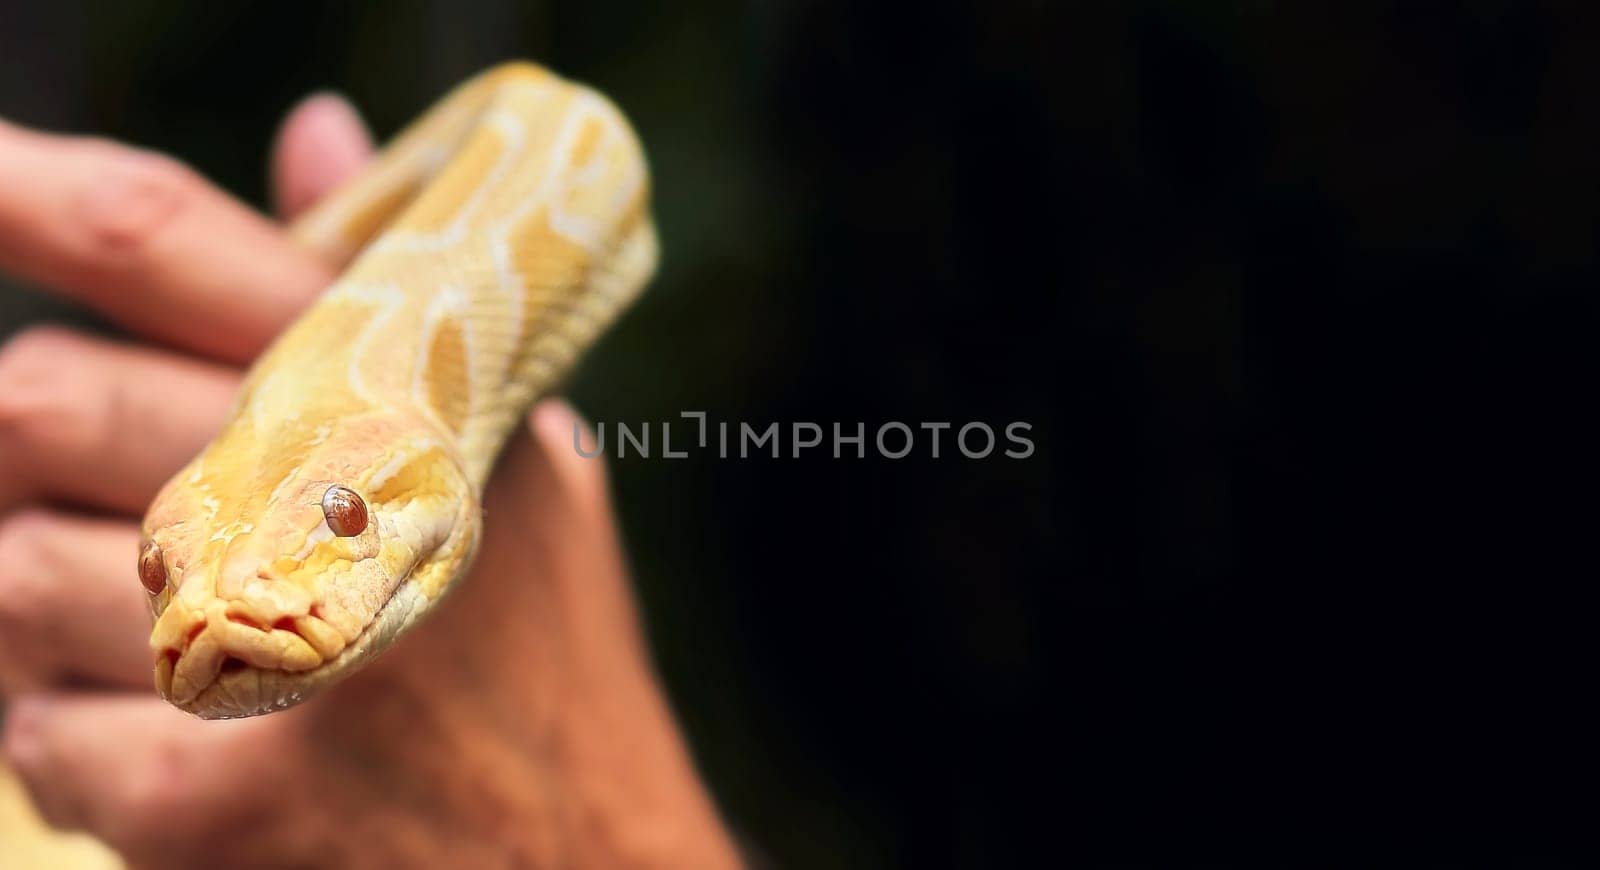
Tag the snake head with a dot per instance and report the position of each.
(279, 562)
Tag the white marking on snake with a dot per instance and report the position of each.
(390, 298)
(509, 129)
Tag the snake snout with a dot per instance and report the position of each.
(235, 648)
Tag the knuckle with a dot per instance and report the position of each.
(130, 197)
(23, 552)
(18, 748)
(39, 769)
(159, 800)
(145, 801)
(42, 395)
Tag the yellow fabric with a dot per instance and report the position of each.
(26, 842)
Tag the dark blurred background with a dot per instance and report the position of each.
(1298, 298)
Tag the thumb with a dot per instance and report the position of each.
(548, 591)
(551, 546)
(563, 447)
(549, 573)
(548, 507)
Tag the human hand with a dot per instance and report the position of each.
(520, 725)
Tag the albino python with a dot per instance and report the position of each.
(492, 241)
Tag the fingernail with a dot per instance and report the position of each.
(336, 104)
(554, 419)
(321, 144)
(333, 112)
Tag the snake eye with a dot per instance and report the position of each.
(345, 512)
(152, 569)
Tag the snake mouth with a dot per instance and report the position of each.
(277, 644)
(230, 665)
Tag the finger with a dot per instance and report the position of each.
(95, 422)
(148, 243)
(136, 772)
(71, 610)
(321, 144)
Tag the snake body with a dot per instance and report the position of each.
(492, 240)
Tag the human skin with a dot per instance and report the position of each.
(522, 725)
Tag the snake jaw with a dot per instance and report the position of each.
(218, 663)
(234, 667)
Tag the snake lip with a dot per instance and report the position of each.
(237, 688)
